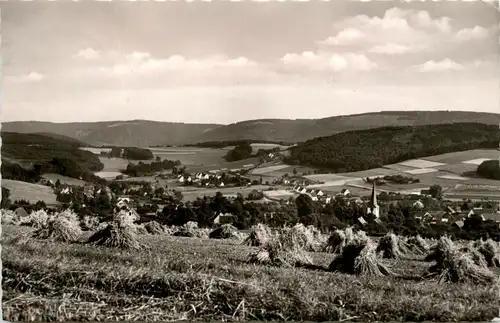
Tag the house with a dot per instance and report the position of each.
(68, 190)
(328, 200)
(345, 192)
(221, 184)
(181, 179)
(320, 193)
(189, 179)
(362, 221)
(459, 224)
(419, 205)
(206, 176)
(303, 191)
(226, 218)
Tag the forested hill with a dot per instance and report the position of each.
(26, 156)
(365, 149)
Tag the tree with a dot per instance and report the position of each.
(58, 183)
(295, 171)
(242, 151)
(5, 203)
(436, 191)
(158, 159)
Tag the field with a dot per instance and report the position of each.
(29, 192)
(64, 179)
(192, 193)
(180, 278)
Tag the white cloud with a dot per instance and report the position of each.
(439, 66)
(139, 56)
(345, 37)
(88, 54)
(143, 63)
(32, 77)
(392, 49)
(399, 31)
(328, 62)
(467, 34)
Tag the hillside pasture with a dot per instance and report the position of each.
(64, 179)
(29, 192)
(375, 172)
(194, 279)
(461, 156)
(268, 169)
(257, 146)
(279, 194)
(191, 156)
(398, 168)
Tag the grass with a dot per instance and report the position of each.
(30, 192)
(177, 278)
(64, 179)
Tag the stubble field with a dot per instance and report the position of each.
(202, 279)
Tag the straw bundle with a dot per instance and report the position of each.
(59, 228)
(259, 235)
(475, 255)
(140, 229)
(9, 217)
(125, 216)
(37, 219)
(360, 258)
(90, 223)
(391, 246)
(117, 234)
(336, 242)
(491, 252)
(154, 227)
(418, 245)
(275, 253)
(300, 235)
(451, 265)
(226, 231)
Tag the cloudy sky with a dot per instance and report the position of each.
(225, 62)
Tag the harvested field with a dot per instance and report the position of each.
(399, 168)
(421, 163)
(461, 156)
(326, 177)
(178, 278)
(190, 194)
(279, 194)
(453, 177)
(419, 171)
(375, 172)
(64, 179)
(477, 161)
(268, 169)
(29, 192)
(338, 183)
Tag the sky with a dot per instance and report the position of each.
(224, 62)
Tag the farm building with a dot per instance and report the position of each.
(21, 212)
(418, 205)
(345, 192)
(226, 218)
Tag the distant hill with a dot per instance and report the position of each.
(133, 133)
(142, 133)
(301, 130)
(365, 149)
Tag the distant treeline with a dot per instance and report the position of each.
(226, 143)
(147, 169)
(365, 149)
(130, 153)
(397, 179)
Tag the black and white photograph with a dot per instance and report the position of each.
(238, 160)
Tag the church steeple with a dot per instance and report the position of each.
(373, 207)
(373, 200)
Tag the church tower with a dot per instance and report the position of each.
(373, 206)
